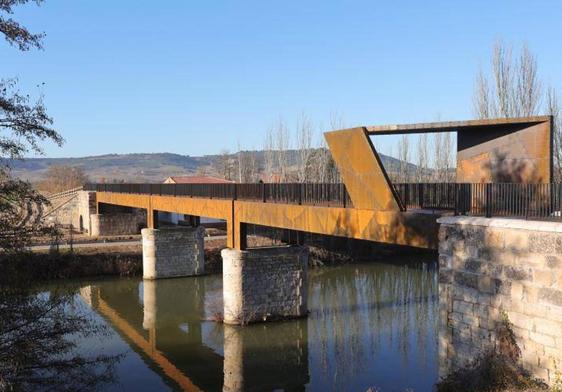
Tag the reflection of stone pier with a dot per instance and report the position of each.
(256, 357)
(164, 330)
(173, 302)
(264, 283)
(173, 252)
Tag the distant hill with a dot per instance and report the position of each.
(150, 167)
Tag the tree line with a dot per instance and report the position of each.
(512, 87)
(288, 155)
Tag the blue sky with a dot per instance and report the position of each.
(196, 77)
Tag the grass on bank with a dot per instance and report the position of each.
(497, 370)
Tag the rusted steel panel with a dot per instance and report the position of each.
(211, 208)
(515, 150)
(453, 126)
(124, 199)
(361, 170)
(394, 227)
(518, 153)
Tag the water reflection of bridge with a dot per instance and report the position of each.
(163, 321)
(363, 319)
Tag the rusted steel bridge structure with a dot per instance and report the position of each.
(367, 206)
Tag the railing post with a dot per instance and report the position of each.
(263, 192)
(456, 199)
(300, 193)
(527, 200)
(344, 195)
(420, 194)
(466, 191)
(488, 196)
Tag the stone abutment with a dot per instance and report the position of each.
(492, 268)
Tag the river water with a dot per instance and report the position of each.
(370, 326)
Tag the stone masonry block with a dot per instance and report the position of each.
(515, 269)
(264, 284)
(173, 252)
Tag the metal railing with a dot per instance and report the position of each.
(329, 195)
(510, 200)
(68, 192)
(527, 201)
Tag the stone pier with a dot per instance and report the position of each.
(173, 252)
(492, 268)
(264, 284)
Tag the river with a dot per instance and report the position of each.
(371, 325)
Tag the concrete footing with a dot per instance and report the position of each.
(173, 252)
(264, 284)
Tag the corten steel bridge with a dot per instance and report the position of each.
(504, 168)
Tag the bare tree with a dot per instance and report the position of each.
(60, 178)
(322, 167)
(336, 121)
(246, 166)
(436, 161)
(518, 92)
(269, 156)
(37, 333)
(448, 157)
(253, 169)
(516, 87)
(481, 100)
(403, 156)
(202, 171)
(438, 158)
(422, 163)
(23, 125)
(240, 164)
(282, 138)
(553, 109)
(223, 165)
(443, 160)
(13, 32)
(304, 146)
(528, 85)
(503, 78)
(321, 158)
(327, 169)
(38, 349)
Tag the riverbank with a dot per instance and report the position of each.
(125, 259)
(40, 266)
(497, 370)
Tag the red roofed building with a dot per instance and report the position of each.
(196, 180)
(173, 218)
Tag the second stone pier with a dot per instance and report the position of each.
(264, 284)
(173, 252)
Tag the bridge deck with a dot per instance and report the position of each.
(412, 228)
